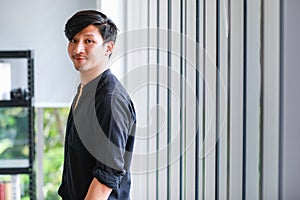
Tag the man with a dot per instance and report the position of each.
(101, 123)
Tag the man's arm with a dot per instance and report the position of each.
(98, 191)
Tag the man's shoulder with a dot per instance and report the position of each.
(110, 85)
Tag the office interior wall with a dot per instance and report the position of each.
(39, 26)
(290, 137)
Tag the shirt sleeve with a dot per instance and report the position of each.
(115, 118)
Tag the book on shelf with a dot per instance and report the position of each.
(5, 190)
(5, 81)
(2, 191)
(10, 190)
(16, 191)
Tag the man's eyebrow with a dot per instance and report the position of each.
(89, 34)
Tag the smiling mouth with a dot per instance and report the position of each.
(79, 58)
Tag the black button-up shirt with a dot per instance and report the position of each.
(99, 140)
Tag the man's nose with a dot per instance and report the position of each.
(79, 47)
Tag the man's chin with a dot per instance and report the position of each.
(77, 67)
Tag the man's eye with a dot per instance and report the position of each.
(73, 41)
(89, 41)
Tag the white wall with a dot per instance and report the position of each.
(39, 25)
(291, 127)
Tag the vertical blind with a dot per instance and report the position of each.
(205, 79)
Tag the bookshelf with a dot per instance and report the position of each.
(17, 136)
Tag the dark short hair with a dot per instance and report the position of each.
(84, 18)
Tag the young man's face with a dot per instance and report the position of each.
(87, 50)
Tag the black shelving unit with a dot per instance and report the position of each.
(26, 103)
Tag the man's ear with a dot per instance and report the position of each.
(109, 47)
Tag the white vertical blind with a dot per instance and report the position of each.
(271, 99)
(253, 95)
(223, 66)
(236, 96)
(210, 98)
(190, 100)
